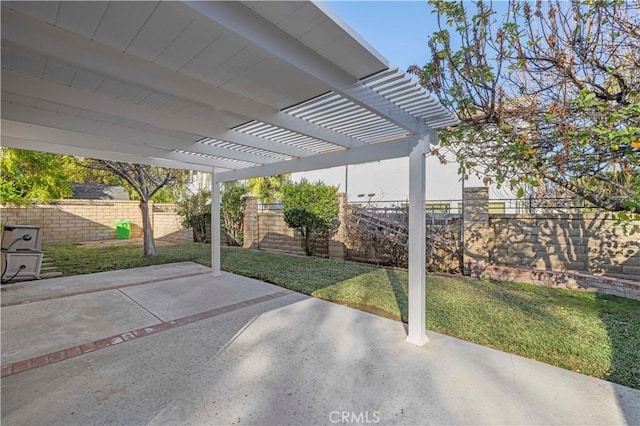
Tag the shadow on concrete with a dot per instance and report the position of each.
(297, 360)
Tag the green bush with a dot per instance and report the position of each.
(194, 209)
(310, 208)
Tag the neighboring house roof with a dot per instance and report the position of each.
(89, 191)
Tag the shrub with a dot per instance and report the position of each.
(194, 209)
(310, 208)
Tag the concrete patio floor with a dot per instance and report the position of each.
(171, 344)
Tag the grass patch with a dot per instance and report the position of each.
(590, 333)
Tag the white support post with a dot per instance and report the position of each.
(215, 225)
(417, 241)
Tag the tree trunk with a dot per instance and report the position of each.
(308, 251)
(147, 230)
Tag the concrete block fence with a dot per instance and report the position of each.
(582, 243)
(545, 245)
(590, 244)
(267, 230)
(568, 280)
(74, 221)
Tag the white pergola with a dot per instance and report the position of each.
(238, 89)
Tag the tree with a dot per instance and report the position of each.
(268, 189)
(310, 208)
(27, 177)
(146, 181)
(79, 170)
(545, 91)
(233, 197)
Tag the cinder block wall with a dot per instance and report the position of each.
(267, 230)
(167, 224)
(582, 243)
(72, 221)
(588, 243)
(275, 235)
(478, 235)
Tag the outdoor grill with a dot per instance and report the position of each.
(21, 252)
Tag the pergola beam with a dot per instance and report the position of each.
(374, 152)
(22, 113)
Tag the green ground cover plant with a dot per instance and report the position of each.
(590, 333)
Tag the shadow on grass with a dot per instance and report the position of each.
(400, 294)
(593, 334)
(621, 317)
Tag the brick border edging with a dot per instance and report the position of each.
(97, 290)
(74, 351)
(569, 280)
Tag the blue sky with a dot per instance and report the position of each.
(399, 30)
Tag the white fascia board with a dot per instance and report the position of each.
(70, 48)
(350, 31)
(252, 27)
(55, 120)
(57, 148)
(374, 152)
(59, 93)
(98, 143)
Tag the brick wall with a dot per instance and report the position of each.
(72, 221)
(569, 280)
(267, 230)
(167, 225)
(275, 235)
(587, 243)
(478, 238)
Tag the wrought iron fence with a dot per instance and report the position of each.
(276, 207)
(454, 207)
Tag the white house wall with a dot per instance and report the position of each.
(387, 179)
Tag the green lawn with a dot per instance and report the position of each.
(594, 334)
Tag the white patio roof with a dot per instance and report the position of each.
(240, 89)
(195, 85)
